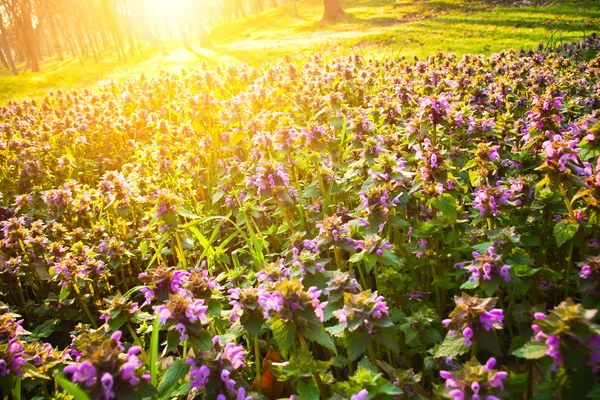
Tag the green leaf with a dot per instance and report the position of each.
(154, 351)
(452, 346)
(307, 389)
(531, 241)
(176, 371)
(202, 342)
(217, 196)
(46, 329)
(446, 204)
(312, 191)
(337, 330)
(399, 222)
(64, 293)
(489, 287)
(316, 333)
(565, 231)
(187, 213)
(71, 388)
(390, 338)
(483, 247)
(488, 340)
(472, 163)
(358, 341)
(254, 324)
(390, 259)
(531, 350)
(576, 385)
(470, 284)
(284, 333)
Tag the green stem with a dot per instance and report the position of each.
(529, 379)
(137, 341)
(316, 377)
(338, 257)
(566, 200)
(257, 362)
(180, 252)
(363, 280)
(18, 382)
(286, 217)
(568, 270)
(372, 356)
(84, 305)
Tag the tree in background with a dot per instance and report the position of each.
(34, 30)
(333, 11)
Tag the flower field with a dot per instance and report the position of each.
(333, 229)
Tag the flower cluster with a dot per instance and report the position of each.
(106, 369)
(569, 329)
(473, 316)
(475, 381)
(217, 371)
(364, 310)
(486, 265)
(289, 301)
(184, 314)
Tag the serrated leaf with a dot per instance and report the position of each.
(284, 333)
(64, 293)
(390, 338)
(337, 330)
(395, 220)
(187, 213)
(254, 324)
(312, 191)
(452, 346)
(390, 259)
(472, 163)
(46, 329)
(565, 231)
(531, 350)
(446, 204)
(203, 341)
(176, 371)
(316, 333)
(470, 284)
(488, 340)
(307, 389)
(358, 341)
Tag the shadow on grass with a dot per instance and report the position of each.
(549, 25)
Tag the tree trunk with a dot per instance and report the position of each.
(6, 48)
(29, 36)
(333, 11)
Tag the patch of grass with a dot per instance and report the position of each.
(375, 28)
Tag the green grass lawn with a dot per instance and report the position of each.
(375, 28)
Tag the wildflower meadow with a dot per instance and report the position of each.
(320, 229)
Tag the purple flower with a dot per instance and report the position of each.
(163, 314)
(178, 278)
(467, 336)
(198, 375)
(235, 355)
(585, 272)
(197, 312)
(83, 372)
(362, 395)
(493, 153)
(504, 272)
(489, 319)
(457, 394)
